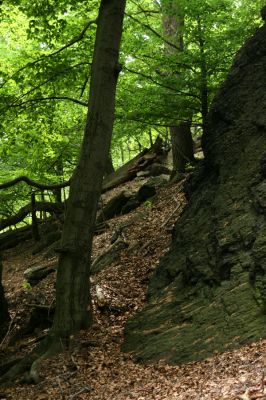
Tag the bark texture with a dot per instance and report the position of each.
(209, 292)
(72, 292)
(182, 146)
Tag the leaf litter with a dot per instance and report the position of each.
(94, 367)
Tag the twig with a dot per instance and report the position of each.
(85, 389)
(43, 306)
(60, 387)
(171, 215)
(8, 331)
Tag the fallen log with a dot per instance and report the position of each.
(35, 184)
(131, 169)
(13, 237)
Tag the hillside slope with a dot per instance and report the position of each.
(94, 367)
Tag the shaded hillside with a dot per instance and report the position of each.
(94, 367)
(208, 293)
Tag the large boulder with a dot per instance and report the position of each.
(208, 293)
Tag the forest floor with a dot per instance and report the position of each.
(95, 368)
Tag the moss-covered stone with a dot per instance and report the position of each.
(208, 293)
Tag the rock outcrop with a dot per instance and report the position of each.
(208, 293)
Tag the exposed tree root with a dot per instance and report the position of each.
(28, 366)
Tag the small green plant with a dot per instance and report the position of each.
(189, 167)
(26, 285)
(148, 203)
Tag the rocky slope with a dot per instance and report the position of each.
(208, 293)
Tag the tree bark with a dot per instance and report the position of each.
(109, 169)
(73, 311)
(182, 146)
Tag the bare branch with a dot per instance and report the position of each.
(53, 208)
(153, 31)
(161, 84)
(32, 183)
(76, 39)
(43, 57)
(36, 99)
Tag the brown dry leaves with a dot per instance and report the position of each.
(94, 367)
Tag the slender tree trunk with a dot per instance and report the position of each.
(73, 311)
(122, 153)
(180, 134)
(204, 76)
(34, 224)
(109, 169)
(4, 316)
(150, 137)
(182, 146)
(59, 170)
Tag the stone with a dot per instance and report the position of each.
(208, 293)
(36, 273)
(145, 192)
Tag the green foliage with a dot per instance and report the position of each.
(26, 285)
(45, 60)
(148, 203)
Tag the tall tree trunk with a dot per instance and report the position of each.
(59, 170)
(204, 93)
(182, 146)
(109, 169)
(180, 134)
(4, 316)
(34, 220)
(73, 311)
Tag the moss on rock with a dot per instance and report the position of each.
(208, 293)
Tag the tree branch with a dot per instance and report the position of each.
(53, 208)
(161, 84)
(153, 31)
(43, 57)
(76, 39)
(36, 99)
(32, 183)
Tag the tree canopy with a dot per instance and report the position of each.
(46, 54)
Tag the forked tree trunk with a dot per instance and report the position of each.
(73, 310)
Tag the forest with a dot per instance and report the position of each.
(133, 199)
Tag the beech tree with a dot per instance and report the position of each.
(73, 311)
(181, 137)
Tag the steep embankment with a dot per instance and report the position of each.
(209, 292)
